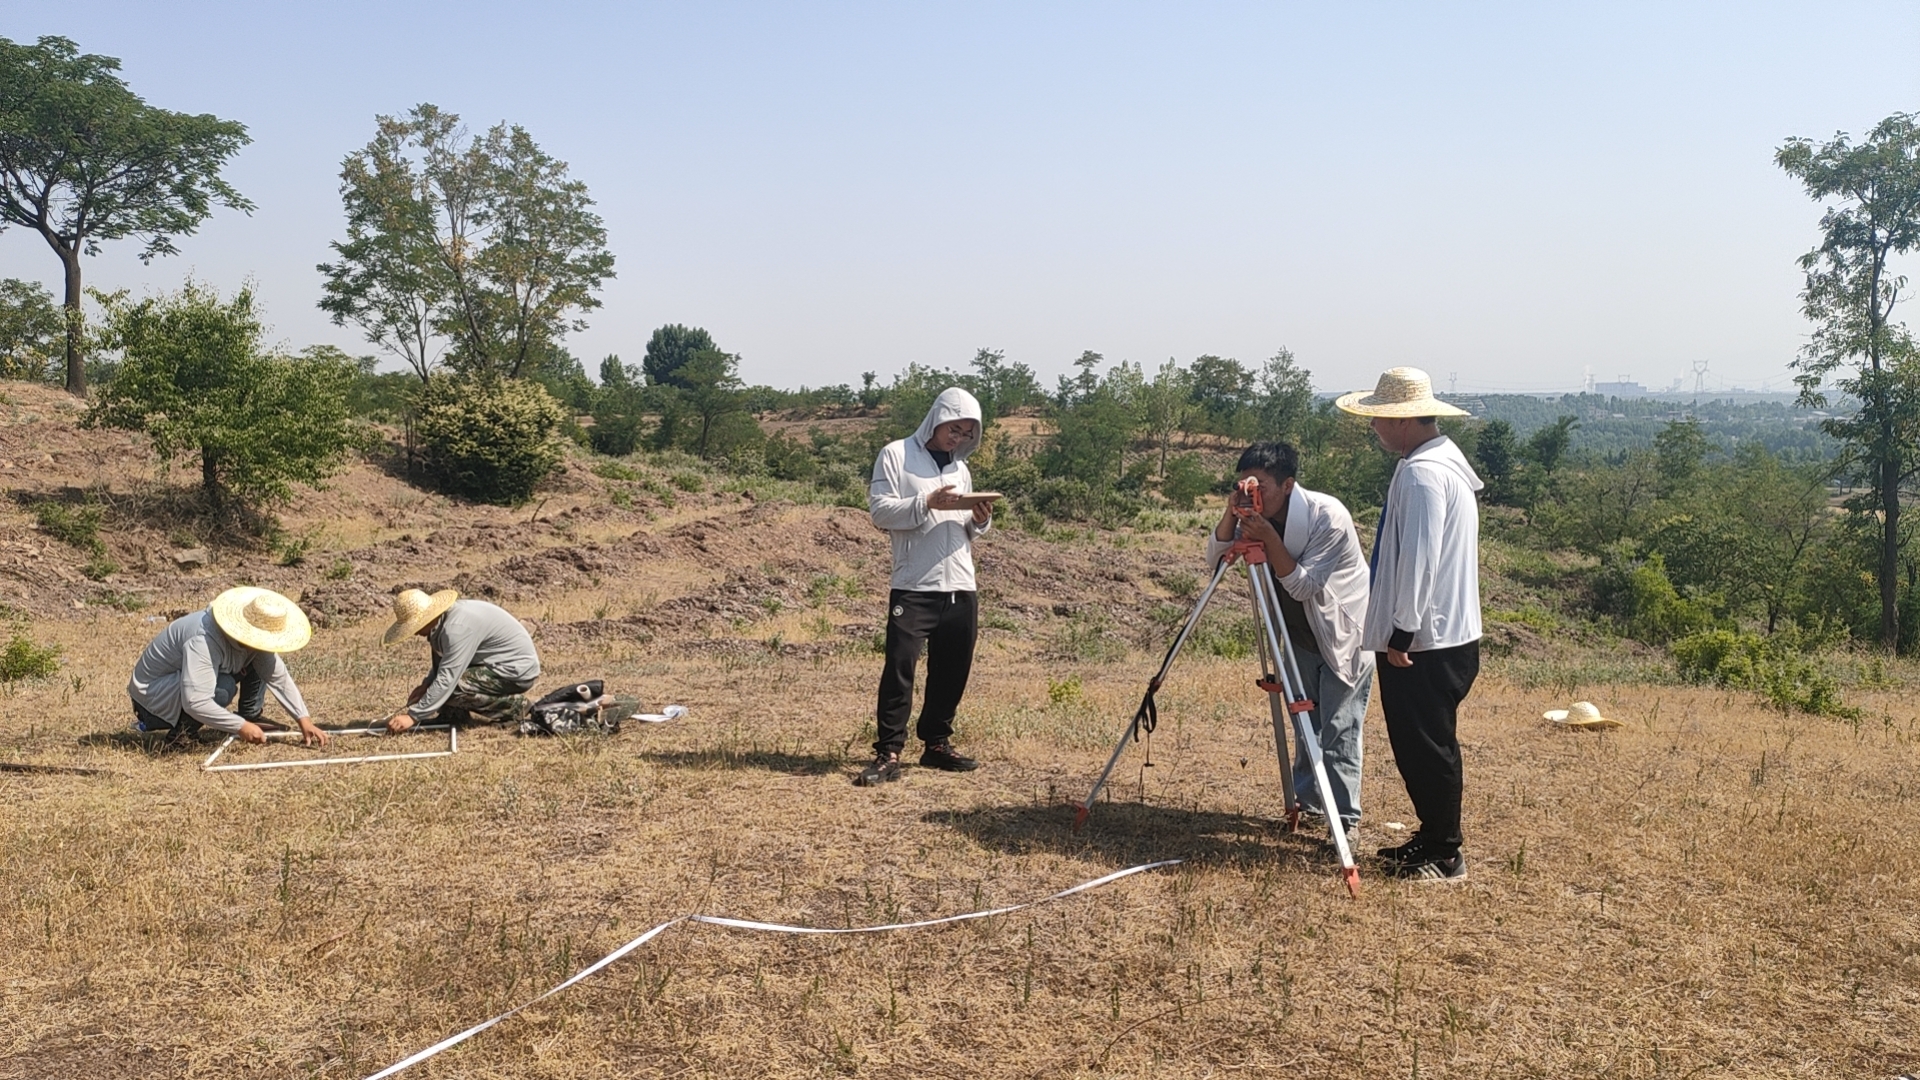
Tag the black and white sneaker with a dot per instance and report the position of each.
(943, 756)
(1431, 867)
(883, 769)
(1411, 851)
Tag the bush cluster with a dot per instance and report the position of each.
(1777, 666)
(487, 439)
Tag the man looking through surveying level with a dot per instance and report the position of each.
(1316, 559)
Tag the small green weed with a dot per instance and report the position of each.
(100, 567)
(341, 570)
(23, 659)
(689, 481)
(75, 525)
(1067, 691)
(615, 470)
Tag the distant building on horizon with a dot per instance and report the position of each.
(1619, 389)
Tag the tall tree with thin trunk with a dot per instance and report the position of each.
(477, 249)
(1872, 192)
(83, 160)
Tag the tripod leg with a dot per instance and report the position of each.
(1269, 669)
(1133, 727)
(1274, 627)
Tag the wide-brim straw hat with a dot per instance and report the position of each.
(1582, 714)
(1401, 391)
(262, 619)
(413, 609)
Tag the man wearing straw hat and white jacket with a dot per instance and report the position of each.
(484, 661)
(189, 674)
(1423, 617)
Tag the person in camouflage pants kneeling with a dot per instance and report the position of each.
(484, 661)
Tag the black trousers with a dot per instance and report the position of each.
(943, 624)
(1421, 703)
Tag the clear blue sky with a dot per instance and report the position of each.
(1513, 193)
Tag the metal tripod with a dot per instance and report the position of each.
(1280, 678)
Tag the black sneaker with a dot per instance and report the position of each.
(884, 768)
(1412, 851)
(943, 756)
(1431, 867)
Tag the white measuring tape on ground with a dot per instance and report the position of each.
(748, 924)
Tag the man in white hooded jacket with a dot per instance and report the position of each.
(916, 496)
(1423, 618)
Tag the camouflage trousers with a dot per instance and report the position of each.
(483, 696)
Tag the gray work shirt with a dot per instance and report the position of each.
(474, 632)
(177, 672)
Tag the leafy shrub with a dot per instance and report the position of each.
(1644, 602)
(788, 459)
(614, 433)
(76, 525)
(488, 439)
(1187, 479)
(22, 659)
(1776, 667)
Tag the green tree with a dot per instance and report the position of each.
(479, 250)
(1092, 431)
(1221, 387)
(1549, 445)
(1164, 403)
(30, 329)
(1496, 457)
(672, 347)
(708, 414)
(1873, 216)
(1000, 386)
(84, 160)
(194, 376)
(1679, 450)
(1285, 398)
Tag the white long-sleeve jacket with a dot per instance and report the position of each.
(1329, 577)
(932, 549)
(1426, 560)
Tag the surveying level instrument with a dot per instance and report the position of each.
(1279, 677)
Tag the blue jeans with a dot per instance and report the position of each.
(1337, 719)
(250, 687)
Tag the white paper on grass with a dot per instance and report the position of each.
(672, 712)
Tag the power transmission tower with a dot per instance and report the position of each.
(1699, 379)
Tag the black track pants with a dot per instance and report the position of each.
(1421, 703)
(944, 625)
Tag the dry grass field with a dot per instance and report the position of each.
(1713, 890)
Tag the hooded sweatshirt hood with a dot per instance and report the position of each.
(952, 404)
(1444, 453)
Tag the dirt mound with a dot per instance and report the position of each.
(341, 603)
(521, 577)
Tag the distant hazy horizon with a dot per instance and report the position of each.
(1515, 197)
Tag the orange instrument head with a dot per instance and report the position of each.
(1249, 487)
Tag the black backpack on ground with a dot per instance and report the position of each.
(583, 708)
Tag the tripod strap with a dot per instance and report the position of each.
(1147, 717)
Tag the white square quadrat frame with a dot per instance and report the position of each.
(453, 747)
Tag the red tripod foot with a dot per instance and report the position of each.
(1293, 818)
(1351, 875)
(1079, 818)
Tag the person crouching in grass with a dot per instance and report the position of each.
(227, 655)
(1317, 561)
(484, 661)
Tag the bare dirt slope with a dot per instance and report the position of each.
(1709, 891)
